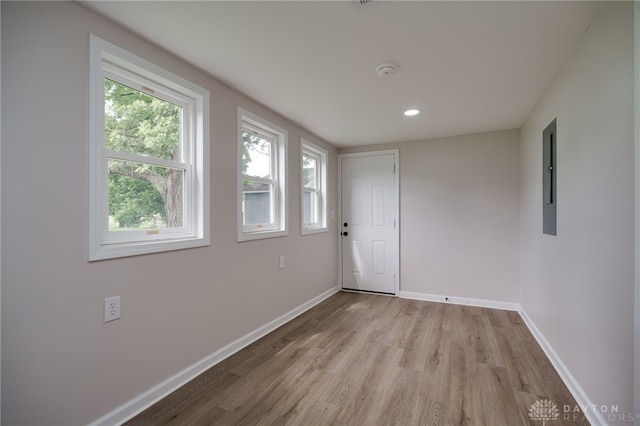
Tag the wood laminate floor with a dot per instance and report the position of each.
(358, 359)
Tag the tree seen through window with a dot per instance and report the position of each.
(142, 195)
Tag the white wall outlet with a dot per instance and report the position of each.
(281, 262)
(111, 308)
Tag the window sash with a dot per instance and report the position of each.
(129, 79)
(273, 202)
(153, 234)
(272, 182)
(149, 87)
(313, 208)
(262, 226)
(273, 157)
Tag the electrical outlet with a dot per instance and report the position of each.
(281, 264)
(111, 308)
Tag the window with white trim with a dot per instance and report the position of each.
(261, 178)
(314, 188)
(149, 149)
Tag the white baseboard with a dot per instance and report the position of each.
(576, 390)
(153, 395)
(482, 303)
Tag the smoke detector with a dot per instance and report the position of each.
(385, 70)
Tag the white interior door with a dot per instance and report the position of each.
(369, 223)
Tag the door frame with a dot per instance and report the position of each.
(396, 201)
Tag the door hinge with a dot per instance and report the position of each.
(394, 169)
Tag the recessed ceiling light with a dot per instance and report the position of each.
(411, 112)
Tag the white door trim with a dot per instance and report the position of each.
(396, 234)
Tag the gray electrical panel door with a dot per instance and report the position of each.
(549, 173)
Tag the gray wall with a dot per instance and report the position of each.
(459, 215)
(61, 364)
(577, 287)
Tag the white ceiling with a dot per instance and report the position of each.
(469, 66)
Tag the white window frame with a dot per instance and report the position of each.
(321, 156)
(278, 138)
(108, 60)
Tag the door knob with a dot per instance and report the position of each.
(345, 233)
(345, 224)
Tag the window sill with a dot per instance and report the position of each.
(311, 231)
(114, 251)
(251, 236)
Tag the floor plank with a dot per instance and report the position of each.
(359, 359)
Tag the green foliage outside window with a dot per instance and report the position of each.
(142, 124)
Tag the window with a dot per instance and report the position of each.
(261, 182)
(149, 150)
(314, 188)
